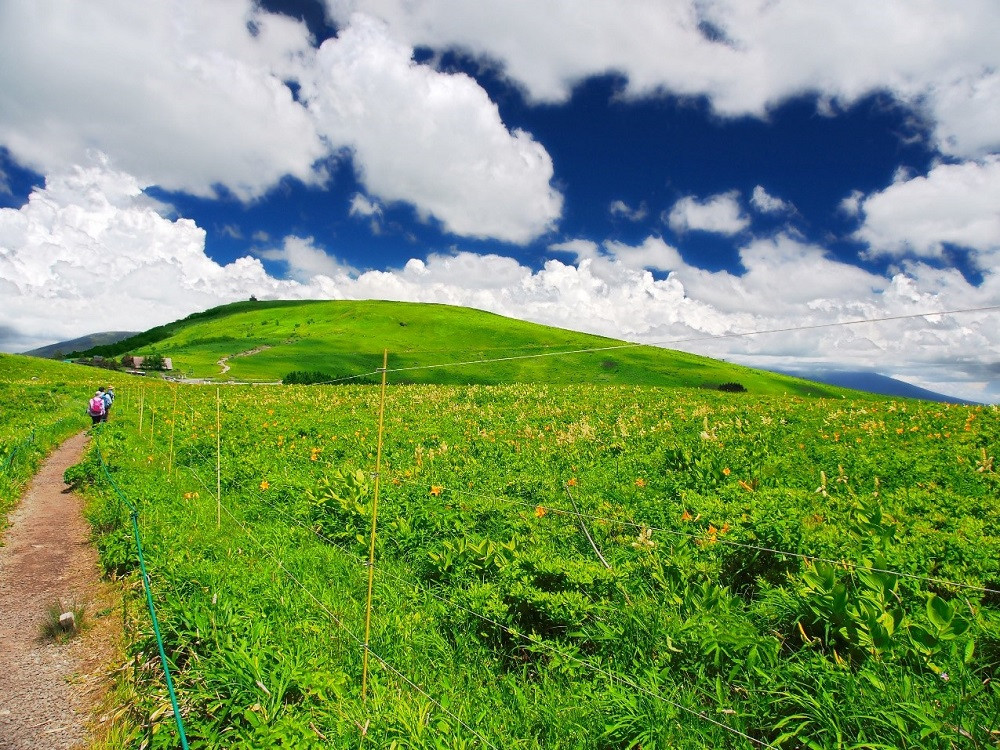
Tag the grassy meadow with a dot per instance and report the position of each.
(556, 566)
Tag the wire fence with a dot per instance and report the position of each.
(8, 462)
(146, 585)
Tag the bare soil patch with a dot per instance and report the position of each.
(49, 691)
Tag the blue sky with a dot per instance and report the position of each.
(653, 171)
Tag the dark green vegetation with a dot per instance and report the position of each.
(266, 341)
(576, 566)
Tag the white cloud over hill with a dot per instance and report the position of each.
(193, 97)
(90, 252)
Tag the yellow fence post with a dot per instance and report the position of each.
(371, 547)
(173, 425)
(218, 460)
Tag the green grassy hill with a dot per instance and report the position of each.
(265, 341)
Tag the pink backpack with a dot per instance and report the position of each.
(96, 406)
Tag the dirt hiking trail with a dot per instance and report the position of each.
(49, 691)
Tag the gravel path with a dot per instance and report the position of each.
(49, 691)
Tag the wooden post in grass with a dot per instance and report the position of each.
(142, 405)
(371, 547)
(173, 425)
(218, 460)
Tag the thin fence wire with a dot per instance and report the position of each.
(348, 377)
(613, 676)
(702, 538)
(14, 450)
(706, 537)
(658, 343)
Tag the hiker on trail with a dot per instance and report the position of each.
(109, 398)
(96, 408)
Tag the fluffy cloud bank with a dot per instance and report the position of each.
(192, 97)
(90, 252)
(954, 204)
(744, 55)
(180, 93)
(433, 140)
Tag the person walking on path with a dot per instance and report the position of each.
(109, 398)
(96, 408)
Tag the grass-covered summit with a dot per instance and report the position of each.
(265, 341)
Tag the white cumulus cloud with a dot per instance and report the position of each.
(954, 203)
(362, 206)
(194, 97)
(720, 214)
(180, 94)
(89, 252)
(743, 55)
(430, 139)
(305, 261)
(653, 254)
(766, 203)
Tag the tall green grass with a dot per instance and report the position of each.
(499, 623)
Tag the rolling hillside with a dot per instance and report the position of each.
(265, 341)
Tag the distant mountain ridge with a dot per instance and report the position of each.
(63, 348)
(873, 382)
